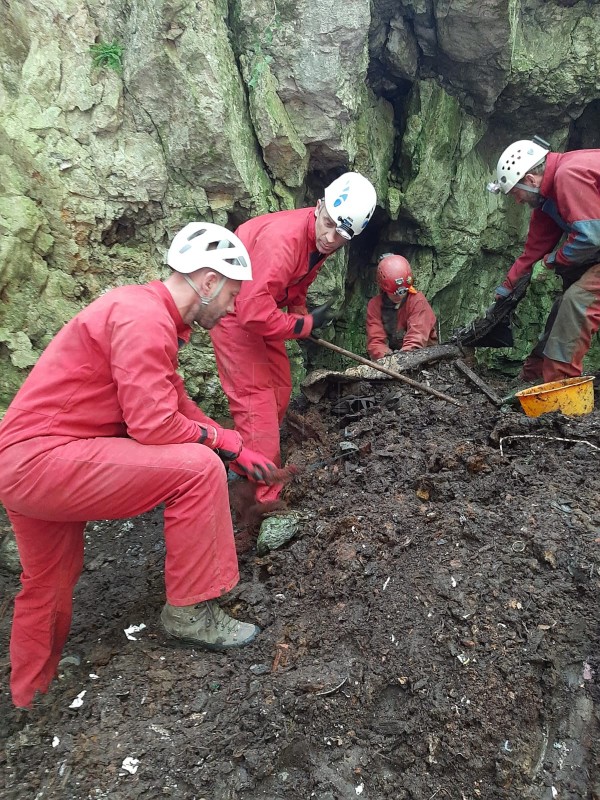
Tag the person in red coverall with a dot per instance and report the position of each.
(563, 189)
(399, 317)
(287, 249)
(102, 428)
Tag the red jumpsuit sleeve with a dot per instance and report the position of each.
(377, 339)
(142, 359)
(256, 308)
(420, 321)
(301, 310)
(187, 406)
(298, 292)
(543, 235)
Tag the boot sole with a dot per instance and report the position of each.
(181, 641)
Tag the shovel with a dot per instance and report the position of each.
(421, 387)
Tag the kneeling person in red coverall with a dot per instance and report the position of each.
(102, 428)
(563, 191)
(399, 317)
(287, 249)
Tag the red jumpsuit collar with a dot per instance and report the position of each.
(547, 184)
(310, 231)
(183, 330)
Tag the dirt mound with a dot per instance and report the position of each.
(432, 632)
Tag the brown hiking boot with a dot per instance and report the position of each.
(206, 625)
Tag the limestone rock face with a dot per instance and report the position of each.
(221, 111)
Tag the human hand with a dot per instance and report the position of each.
(228, 443)
(255, 466)
(322, 314)
(500, 292)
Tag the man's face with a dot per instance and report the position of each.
(396, 297)
(525, 198)
(328, 239)
(208, 315)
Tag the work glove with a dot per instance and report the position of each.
(322, 315)
(225, 442)
(499, 293)
(255, 467)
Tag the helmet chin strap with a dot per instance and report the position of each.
(532, 190)
(205, 300)
(525, 188)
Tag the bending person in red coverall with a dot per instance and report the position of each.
(287, 249)
(563, 189)
(399, 317)
(102, 428)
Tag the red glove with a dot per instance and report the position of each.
(256, 467)
(226, 442)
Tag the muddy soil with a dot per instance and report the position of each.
(432, 632)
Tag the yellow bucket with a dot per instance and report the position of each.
(571, 396)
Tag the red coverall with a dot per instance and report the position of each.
(415, 318)
(250, 344)
(571, 188)
(103, 429)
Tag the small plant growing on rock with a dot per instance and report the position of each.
(108, 55)
(260, 59)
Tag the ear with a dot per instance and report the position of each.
(205, 280)
(318, 208)
(532, 180)
(209, 282)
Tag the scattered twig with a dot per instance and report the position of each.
(548, 438)
(280, 655)
(474, 378)
(331, 691)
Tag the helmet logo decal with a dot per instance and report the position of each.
(343, 195)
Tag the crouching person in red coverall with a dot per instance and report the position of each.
(287, 249)
(399, 317)
(102, 428)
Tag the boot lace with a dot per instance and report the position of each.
(220, 619)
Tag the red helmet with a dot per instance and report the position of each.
(394, 275)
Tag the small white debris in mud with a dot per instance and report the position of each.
(78, 702)
(55, 741)
(387, 580)
(360, 788)
(130, 764)
(133, 629)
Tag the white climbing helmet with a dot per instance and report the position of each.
(516, 161)
(204, 244)
(350, 202)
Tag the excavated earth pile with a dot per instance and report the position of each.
(430, 632)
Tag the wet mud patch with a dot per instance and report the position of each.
(431, 631)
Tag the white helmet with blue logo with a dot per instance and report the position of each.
(350, 202)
